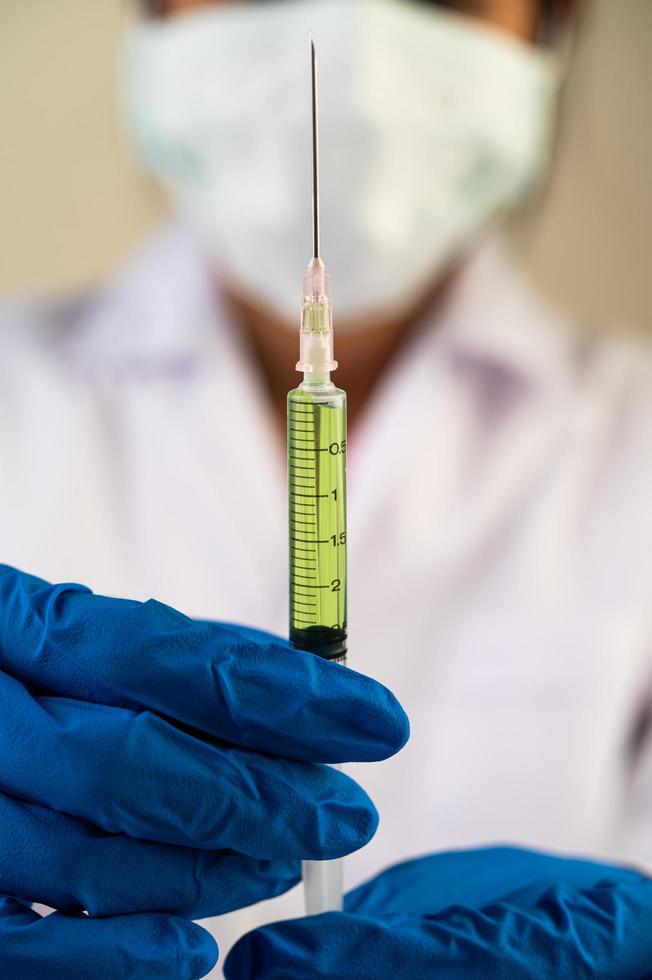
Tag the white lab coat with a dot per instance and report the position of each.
(500, 533)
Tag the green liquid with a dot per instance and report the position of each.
(317, 518)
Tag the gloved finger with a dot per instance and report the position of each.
(475, 878)
(127, 947)
(232, 683)
(69, 865)
(133, 772)
(604, 933)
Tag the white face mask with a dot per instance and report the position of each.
(430, 126)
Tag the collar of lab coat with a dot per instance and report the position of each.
(493, 319)
(162, 310)
(155, 318)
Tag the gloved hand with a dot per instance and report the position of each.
(494, 914)
(158, 769)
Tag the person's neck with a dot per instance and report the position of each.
(363, 353)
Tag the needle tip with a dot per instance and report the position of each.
(315, 151)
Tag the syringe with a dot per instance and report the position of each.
(317, 497)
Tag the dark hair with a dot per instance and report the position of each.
(551, 12)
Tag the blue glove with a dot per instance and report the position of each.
(495, 914)
(153, 764)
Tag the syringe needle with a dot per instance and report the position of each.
(315, 153)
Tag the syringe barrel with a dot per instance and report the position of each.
(317, 519)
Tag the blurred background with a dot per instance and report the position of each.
(72, 201)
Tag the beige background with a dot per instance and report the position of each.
(72, 202)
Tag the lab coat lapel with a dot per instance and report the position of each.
(196, 439)
(463, 429)
(246, 463)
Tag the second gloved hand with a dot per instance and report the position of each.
(493, 914)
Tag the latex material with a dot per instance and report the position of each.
(79, 867)
(156, 764)
(431, 125)
(62, 947)
(237, 684)
(131, 771)
(495, 914)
